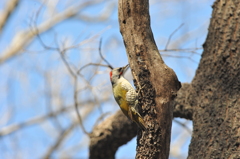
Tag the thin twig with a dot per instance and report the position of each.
(97, 64)
(65, 133)
(91, 64)
(183, 125)
(14, 127)
(48, 99)
(103, 16)
(100, 52)
(174, 56)
(23, 38)
(75, 78)
(187, 50)
(59, 140)
(103, 115)
(169, 39)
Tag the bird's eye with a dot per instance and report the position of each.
(120, 69)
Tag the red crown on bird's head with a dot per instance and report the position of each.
(111, 75)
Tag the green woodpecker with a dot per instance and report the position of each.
(126, 96)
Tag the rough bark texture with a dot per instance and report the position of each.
(216, 88)
(117, 130)
(211, 100)
(158, 82)
(182, 108)
(109, 135)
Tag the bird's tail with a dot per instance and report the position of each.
(141, 123)
(137, 118)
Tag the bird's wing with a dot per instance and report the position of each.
(131, 95)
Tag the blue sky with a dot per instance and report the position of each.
(25, 87)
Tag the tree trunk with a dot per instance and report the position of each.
(157, 83)
(216, 87)
(211, 100)
(117, 130)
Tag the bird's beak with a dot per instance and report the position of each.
(125, 68)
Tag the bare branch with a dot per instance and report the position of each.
(174, 56)
(48, 99)
(91, 64)
(75, 79)
(169, 39)
(191, 50)
(97, 64)
(22, 39)
(103, 16)
(74, 76)
(100, 52)
(5, 15)
(36, 120)
(104, 134)
(59, 140)
(182, 108)
(110, 134)
(65, 133)
(146, 62)
(183, 125)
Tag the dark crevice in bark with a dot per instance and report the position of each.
(117, 130)
(182, 108)
(158, 83)
(212, 99)
(109, 135)
(216, 87)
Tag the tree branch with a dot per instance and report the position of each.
(109, 135)
(117, 128)
(157, 81)
(36, 120)
(23, 38)
(59, 140)
(5, 15)
(182, 108)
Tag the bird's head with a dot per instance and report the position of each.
(117, 73)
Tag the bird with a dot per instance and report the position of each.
(126, 96)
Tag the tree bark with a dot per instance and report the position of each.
(158, 84)
(117, 130)
(182, 108)
(109, 135)
(216, 88)
(211, 100)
